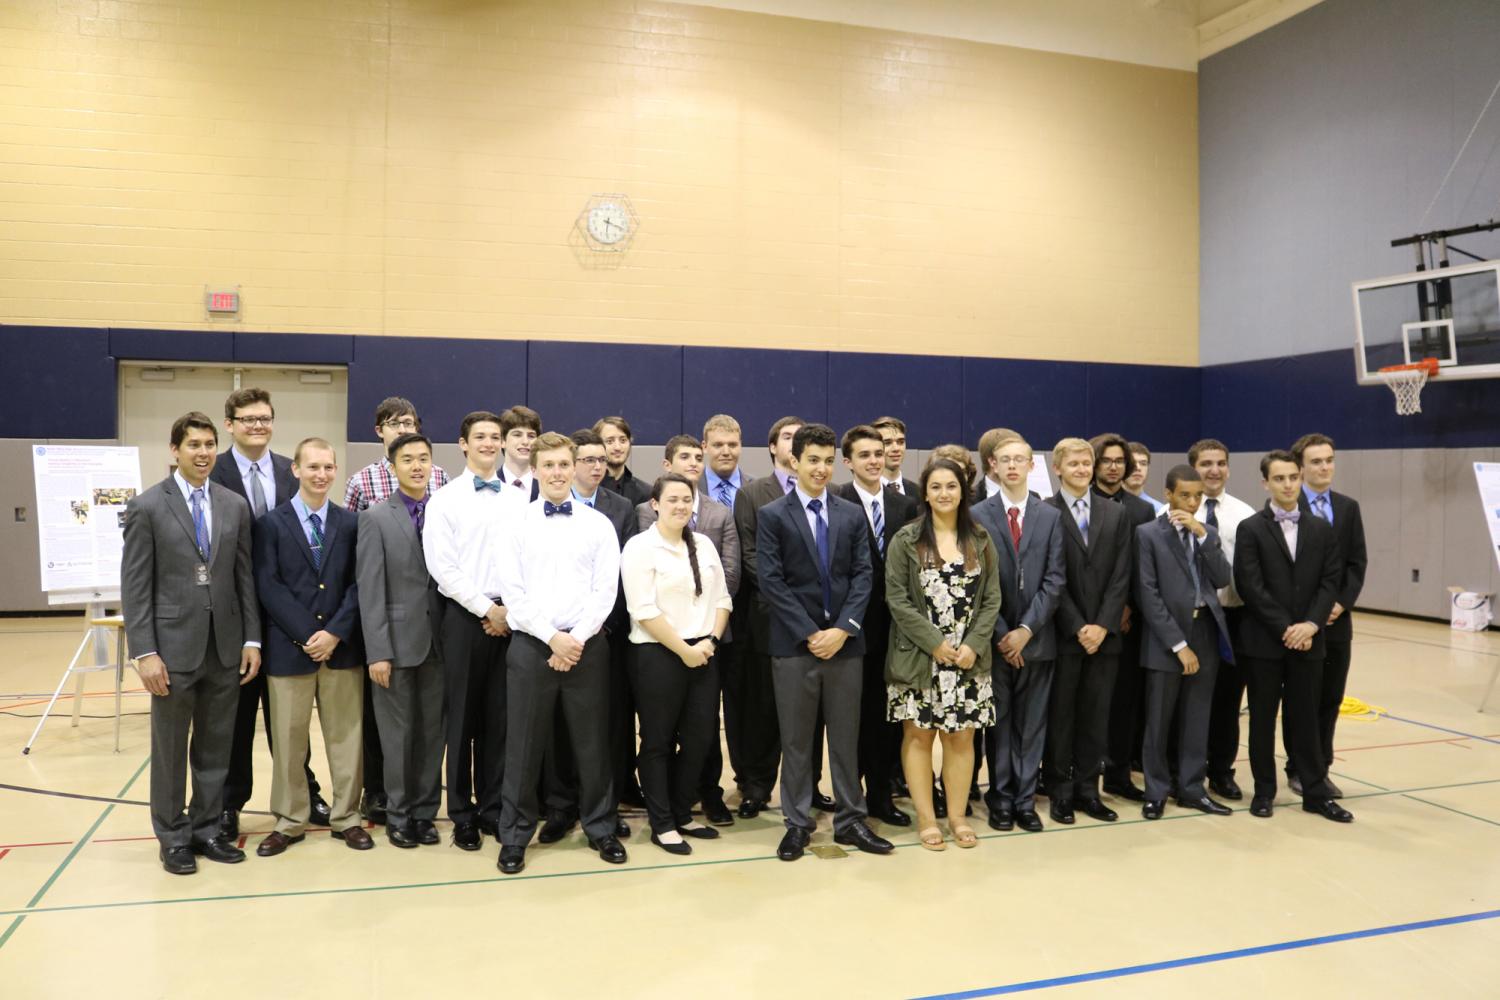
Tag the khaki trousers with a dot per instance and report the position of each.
(339, 695)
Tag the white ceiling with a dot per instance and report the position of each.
(1174, 34)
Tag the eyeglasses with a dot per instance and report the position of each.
(1111, 461)
(591, 461)
(256, 421)
(1012, 460)
(401, 424)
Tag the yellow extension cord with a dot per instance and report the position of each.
(1353, 708)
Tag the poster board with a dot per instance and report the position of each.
(1488, 476)
(81, 492)
(1037, 480)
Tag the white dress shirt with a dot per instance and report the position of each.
(659, 582)
(897, 483)
(813, 519)
(511, 478)
(1072, 504)
(560, 572)
(462, 537)
(1289, 532)
(1011, 505)
(1229, 512)
(990, 487)
(868, 500)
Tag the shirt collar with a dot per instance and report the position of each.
(1009, 503)
(804, 499)
(302, 511)
(713, 479)
(1313, 494)
(783, 478)
(187, 491)
(1069, 499)
(584, 499)
(991, 487)
(411, 505)
(868, 498)
(244, 464)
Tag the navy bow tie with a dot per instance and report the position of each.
(549, 508)
(1287, 515)
(487, 484)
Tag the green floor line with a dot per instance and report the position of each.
(1439, 805)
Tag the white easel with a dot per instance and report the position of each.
(97, 635)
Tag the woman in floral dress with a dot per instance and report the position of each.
(943, 590)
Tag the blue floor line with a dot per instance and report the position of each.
(1443, 729)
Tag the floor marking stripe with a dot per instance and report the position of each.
(1443, 729)
(1439, 805)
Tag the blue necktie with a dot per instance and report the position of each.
(821, 536)
(1081, 506)
(481, 483)
(565, 508)
(723, 493)
(1212, 520)
(1322, 508)
(879, 526)
(1192, 559)
(316, 523)
(200, 526)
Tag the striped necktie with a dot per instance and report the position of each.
(879, 524)
(316, 523)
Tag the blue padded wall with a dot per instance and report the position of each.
(59, 383)
(926, 392)
(446, 379)
(757, 387)
(572, 385)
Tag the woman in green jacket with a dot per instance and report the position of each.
(943, 591)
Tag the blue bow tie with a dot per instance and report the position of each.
(549, 508)
(487, 484)
(1287, 515)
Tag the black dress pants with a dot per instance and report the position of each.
(1224, 715)
(474, 686)
(1330, 697)
(1078, 724)
(679, 712)
(1293, 682)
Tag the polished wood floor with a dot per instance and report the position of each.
(1403, 903)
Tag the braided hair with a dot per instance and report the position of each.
(687, 536)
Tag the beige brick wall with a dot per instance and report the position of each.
(413, 168)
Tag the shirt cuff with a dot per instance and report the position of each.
(1179, 647)
(252, 645)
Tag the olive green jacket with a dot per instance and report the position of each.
(908, 661)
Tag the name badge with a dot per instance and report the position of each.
(200, 574)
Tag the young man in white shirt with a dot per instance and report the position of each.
(519, 427)
(560, 577)
(1135, 483)
(466, 526)
(1210, 459)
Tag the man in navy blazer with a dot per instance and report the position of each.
(1180, 567)
(313, 652)
(1032, 578)
(814, 572)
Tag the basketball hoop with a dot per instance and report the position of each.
(1406, 382)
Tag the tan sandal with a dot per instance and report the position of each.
(965, 837)
(932, 839)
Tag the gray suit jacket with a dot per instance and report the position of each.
(1031, 583)
(398, 602)
(717, 522)
(166, 612)
(1165, 589)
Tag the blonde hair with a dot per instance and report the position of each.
(1067, 446)
(993, 440)
(721, 422)
(552, 441)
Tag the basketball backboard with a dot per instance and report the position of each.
(1451, 314)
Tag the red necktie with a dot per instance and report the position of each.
(1015, 527)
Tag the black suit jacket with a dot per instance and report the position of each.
(1137, 513)
(897, 510)
(1349, 528)
(622, 517)
(629, 485)
(1279, 591)
(747, 504)
(791, 576)
(297, 600)
(226, 472)
(1098, 574)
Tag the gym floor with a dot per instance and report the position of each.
(1402, 903)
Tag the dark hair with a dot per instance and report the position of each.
(970, 535)
(662, 482)
(677, 442)
(1100, 442)
(1307, 441)
(1207, 444)
(519, 416)
(617, 422)
(392, 407)
(585, 436)
(1276, 455)
(1137, 448)
(819, 434)
(242, 398)
(403, 441)
(859, 432)
(192, 421)
(894, 423)
(1181, 474)
(477, 417)
(780, 426)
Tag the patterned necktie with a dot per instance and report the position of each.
(1081, 513)
(1212, 520)
(200, 524)
(257, 492)
(722, 494)
(693, 522)
(1015, 527)
(879, 526)
(565, 508)
(821, 537)
(316, 523)
(1321, 508)
(480, 483)
(791, 484)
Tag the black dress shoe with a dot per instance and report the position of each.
(750, 808)
(218, 849)
(1261, 806)
(555, 829)
(682, 848)
(939, 801)
(512, 860)
(822, 802)
(1206, 805)
(426, 831)
(1294, 782)
(402, 835)
(1127, 791)
(622, 829)
(699, 832)
(793, 843)
(1061, 811)
(974, 793)
(178, 860)
(1328, 809)
(229, 824)
(890, 814)
(1334, 791)
(489, 827)
(1002, 818)
(1098, 810)
(276, 843)
(372, 808)
(859, 836)
(1151, 808)
(466, 836)
(321, 814)
(1028, 820)
(717, 813)
(898, 787)
(1226, 788)
(610, 849)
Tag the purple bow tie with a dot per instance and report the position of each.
(1287, 515)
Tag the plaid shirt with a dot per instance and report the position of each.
(377, 481)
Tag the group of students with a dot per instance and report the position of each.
(549, 636)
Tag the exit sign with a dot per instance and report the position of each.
(222, 300)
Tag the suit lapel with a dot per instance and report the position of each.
(799, 518)
(1174, 542)
(330, 530)
(404, 527)
(1277, 533)
(294, 525)
(177, 504)
(229, 474)
(216, 529)
(1070, 525)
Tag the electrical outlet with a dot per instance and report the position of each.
(20, 515)
(1416, 576)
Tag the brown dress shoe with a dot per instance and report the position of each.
(356, 838)
(276, 842)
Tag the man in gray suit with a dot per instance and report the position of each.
(193, 625)
(399, 613)
(1028, 538)
(1180, 566)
